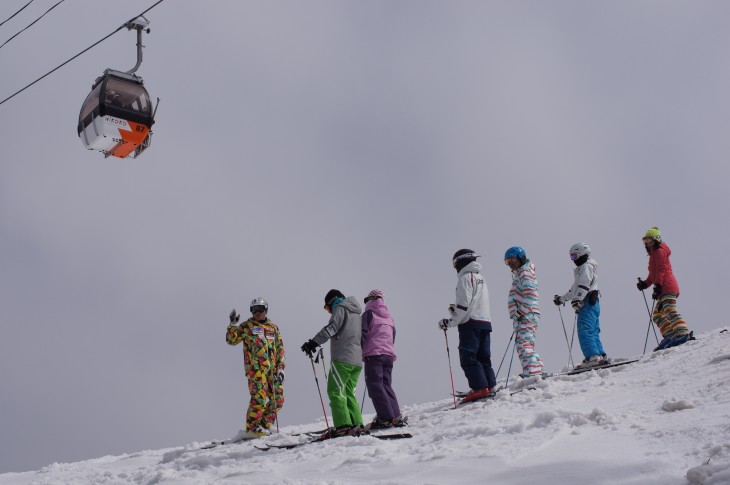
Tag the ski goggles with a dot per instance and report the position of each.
(464, 256)
(258, 309)
(573, 256)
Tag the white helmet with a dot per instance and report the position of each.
(257, 302)
(579, 249)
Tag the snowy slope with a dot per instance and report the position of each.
(663, 420)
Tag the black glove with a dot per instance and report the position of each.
(280, 375)
(577, 305)
(641, 285)
(234, 317)
(309, 347)
(558, 300)
(452, 310)
(444, 323)
(657, 291)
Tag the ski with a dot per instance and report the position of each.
(215, 444)
(596, 367)
(490, 396)
(310, 433)
(393, 436)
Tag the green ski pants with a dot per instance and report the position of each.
(341, 385)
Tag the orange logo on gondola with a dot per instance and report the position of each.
(130, 139)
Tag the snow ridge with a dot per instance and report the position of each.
(662, 420)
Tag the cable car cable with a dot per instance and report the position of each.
(31, 24)
(16, 13)
(77, 55)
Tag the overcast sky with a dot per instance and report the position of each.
(303, 146)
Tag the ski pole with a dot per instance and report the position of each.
(572, 338)
(570, 351)
(505, 354)
(509, 370)
(448, 353)
(320, 355)
(651, 323)
(273, 392)
(650, 319)
(273, 388)
(316, 380)
(362, 404)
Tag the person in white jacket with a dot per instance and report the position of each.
(470, 314)
(584, 298)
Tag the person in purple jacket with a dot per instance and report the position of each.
(378, 337)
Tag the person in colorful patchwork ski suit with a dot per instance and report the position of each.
(344, 333)
(666, 291)
(524, 309)
(378, 354)
(584, 298)
(471, 315)
(264, 363)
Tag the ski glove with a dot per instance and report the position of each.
(234, 317)
(577, 305)
(309, 347)
(444, 323)
(558, 300)
(657, 291)
(452, 310)
(641, 285)
(280, 375)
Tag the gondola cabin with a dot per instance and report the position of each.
(117, 116)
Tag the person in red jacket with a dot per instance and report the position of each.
(666, 291)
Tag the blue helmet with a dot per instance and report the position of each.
(516, 252)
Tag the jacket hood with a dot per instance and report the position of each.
(664, 246)
(378, 307)
(350, 303)
(472, 267)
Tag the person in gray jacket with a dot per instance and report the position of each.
(344, 333)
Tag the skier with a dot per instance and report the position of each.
(584, 298)
(378, 338)
(666, 291)
(344, 332)
(264, 363)
(524, 309)
(470, 314)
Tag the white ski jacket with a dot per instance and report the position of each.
(472, 297)
(586, 280)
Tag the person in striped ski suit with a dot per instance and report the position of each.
(524, 309)
(666, 291)
(264, 363)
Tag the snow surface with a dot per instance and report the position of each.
(663, 420)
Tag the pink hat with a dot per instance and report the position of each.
(373, 295)
(376, 292)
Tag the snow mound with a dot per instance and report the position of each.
(671, 406)
(709, 474)
(720, 358)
